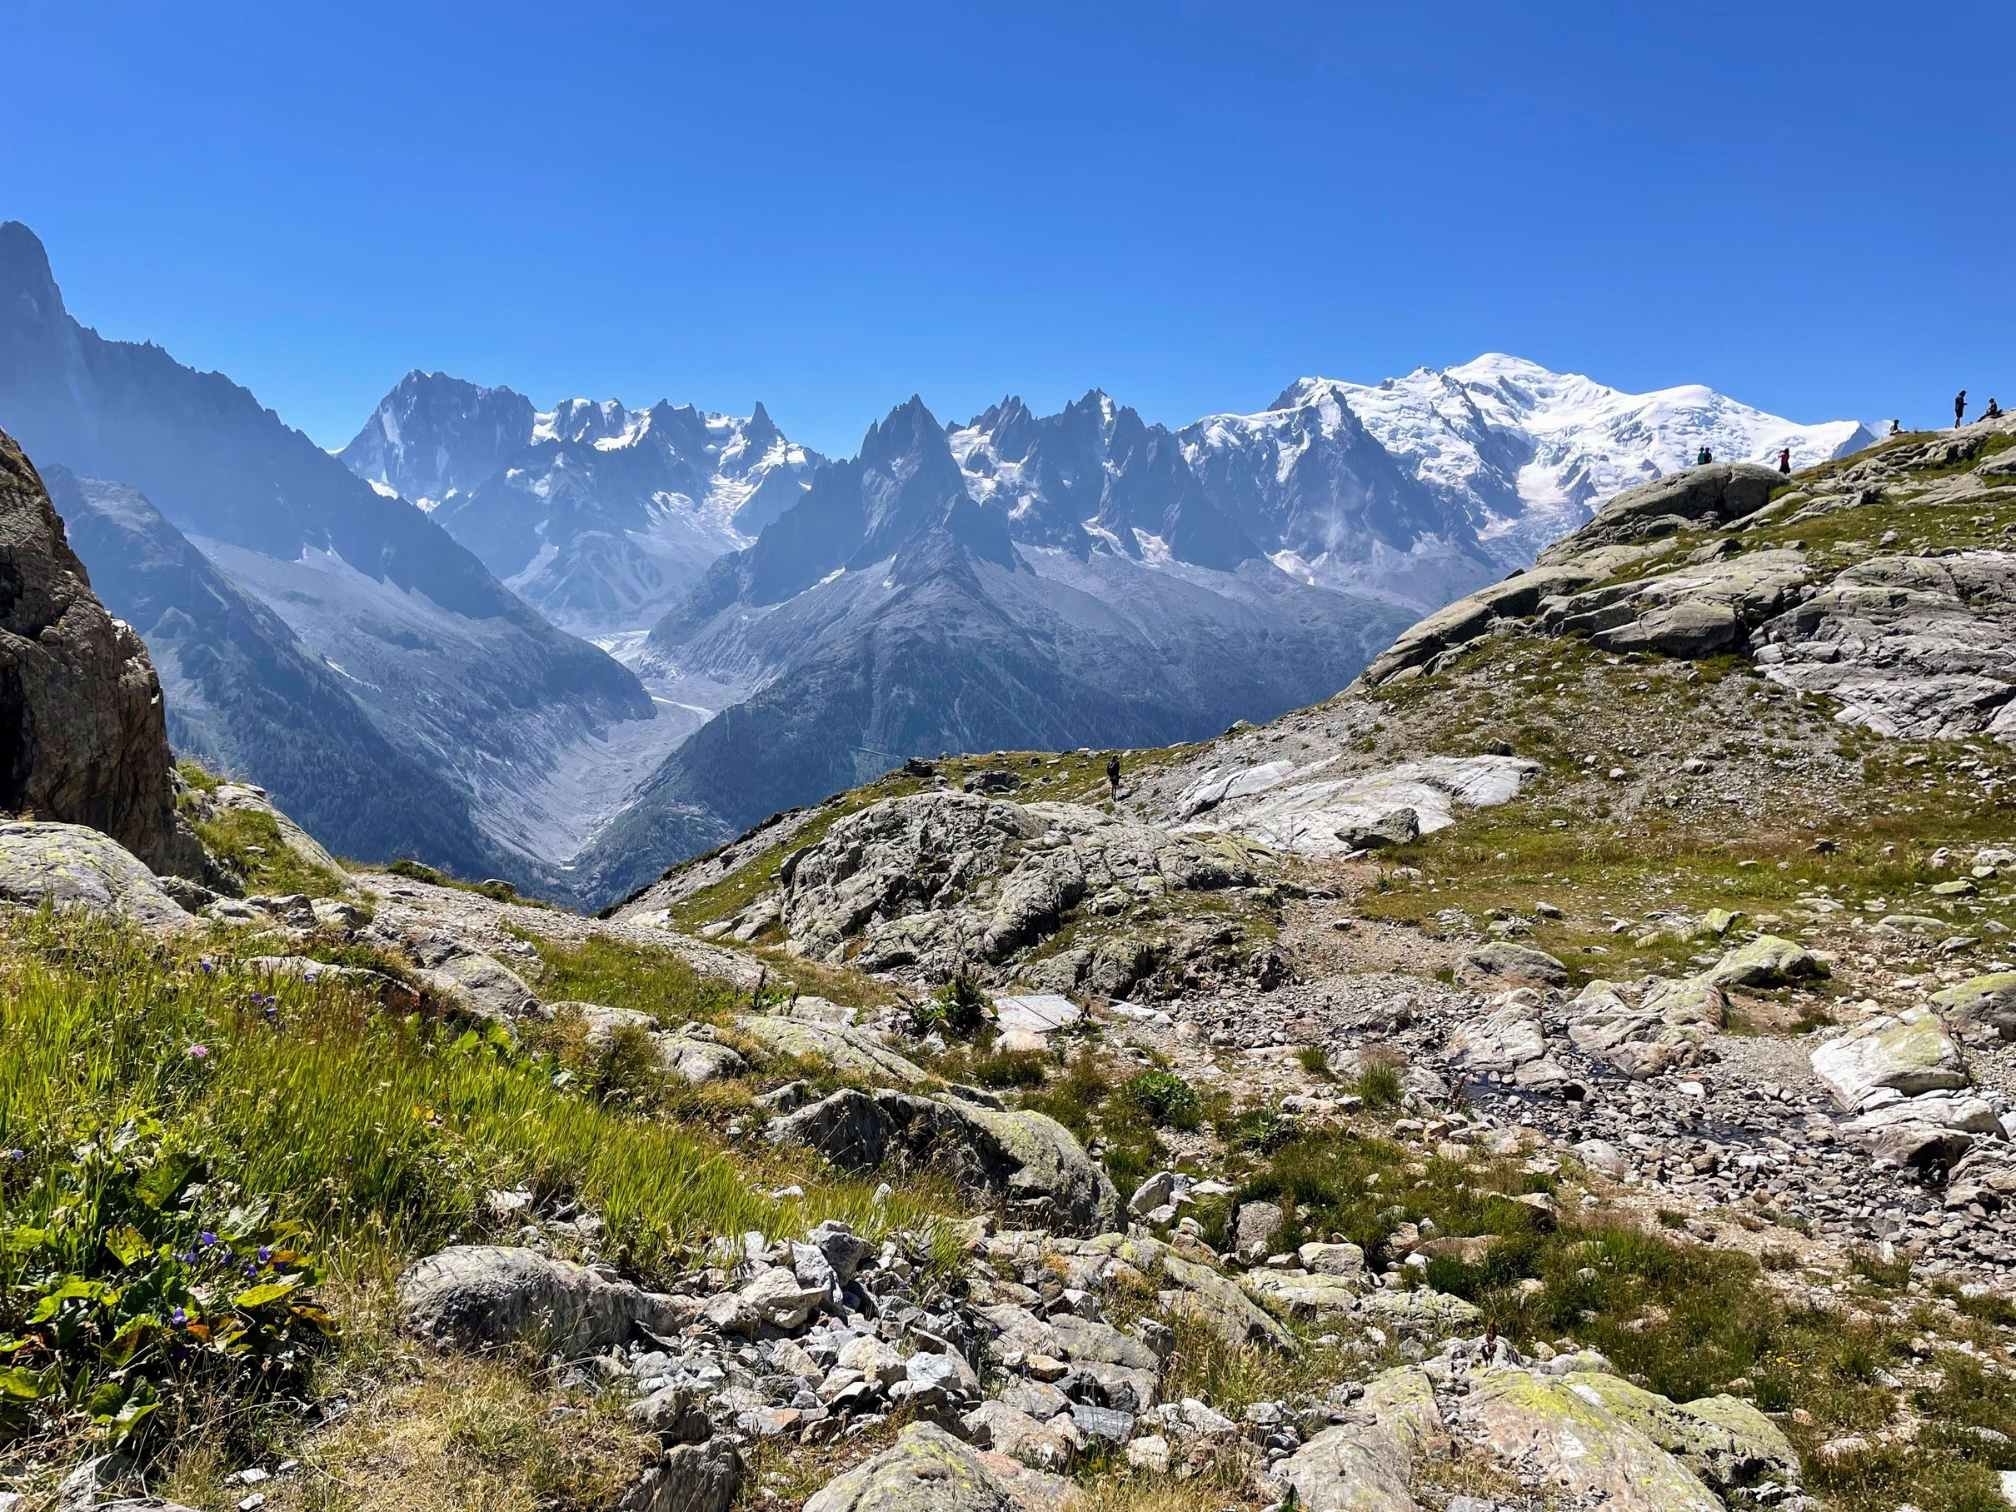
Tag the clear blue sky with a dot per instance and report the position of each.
(831, 206)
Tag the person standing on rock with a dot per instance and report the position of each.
(1959, 408)
(1113, 775)
(1785, 460)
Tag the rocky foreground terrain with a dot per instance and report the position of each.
(1574, 1067)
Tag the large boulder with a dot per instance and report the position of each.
(1024, 1159)
(83, 739)
(1888, 1055)
(1365, 1463)
(1989, 999)
(1697, 498)
(1767, 961)
(69, 866)
(1563, 1429)
(704, 1477)
(481, 1295)
(1312, 812)
(928, 1470)
(856, 1052)
(933, 881)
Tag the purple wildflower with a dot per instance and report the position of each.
(199, 1052)
(178, 1317)
(265, 1253)
(207, 1238)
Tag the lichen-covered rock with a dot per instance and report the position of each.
(936, 880)
(1503, 961)
(703, 1477)
(1903, 1053)
(1698, 610)
(1767, 961)
(1989, 999)
(855, 1051)
(1024, 1159)
(478, 1295)
(1309, 813)
(70, 866)
(83, 739)
(1365, 1464)
(1564, 1428)
(1724, 1440)
(1698, 497)
(928, 1470)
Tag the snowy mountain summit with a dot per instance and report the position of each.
(1415, 489)
(1526, 452)
(601, 515)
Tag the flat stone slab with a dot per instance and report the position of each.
(1037, 1013)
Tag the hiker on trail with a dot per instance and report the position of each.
(1785, 459)
(1959, 408)
(1994, 410)
(1113, 775)
(1896, 427)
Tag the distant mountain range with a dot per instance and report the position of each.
(782, 625)
(454, 671)
(601, 517)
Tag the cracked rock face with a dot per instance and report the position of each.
(82, 736)
(1917, 648)
(1312, 815)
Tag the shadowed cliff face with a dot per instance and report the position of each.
(82, 734)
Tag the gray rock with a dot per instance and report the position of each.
(1025, 1159)
(473, 984)
(1904, 1053)
(688, 1478)
(476, 1295)
(928, 1470)
(1767, 961)
(936, 881)
(1255, 1226)
(1314, 813)
(1934, 1129)
(70, 866)
(1714, 495)
(1919, 648)
(856, 1051)
(1504, 961)
(1365, 1464)
(83, 739)
(1695, 611)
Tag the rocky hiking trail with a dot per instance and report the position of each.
(1573, 1068)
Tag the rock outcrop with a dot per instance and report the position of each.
(83, 739)
(1023, 1158)
(934, 881)
(477, 1295)
(70, 866)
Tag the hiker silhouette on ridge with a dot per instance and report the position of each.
(1959, 408)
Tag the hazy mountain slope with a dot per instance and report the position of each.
(450, 666)
(600, 515)
(245, 698)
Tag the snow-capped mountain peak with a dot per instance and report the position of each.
(601, 514)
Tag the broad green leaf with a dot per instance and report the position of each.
(127, 1244)
(269, 1291)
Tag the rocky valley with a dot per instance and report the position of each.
(1572, 1067)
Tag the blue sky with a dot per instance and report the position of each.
(828, 207)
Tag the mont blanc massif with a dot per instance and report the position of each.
(572, 645)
